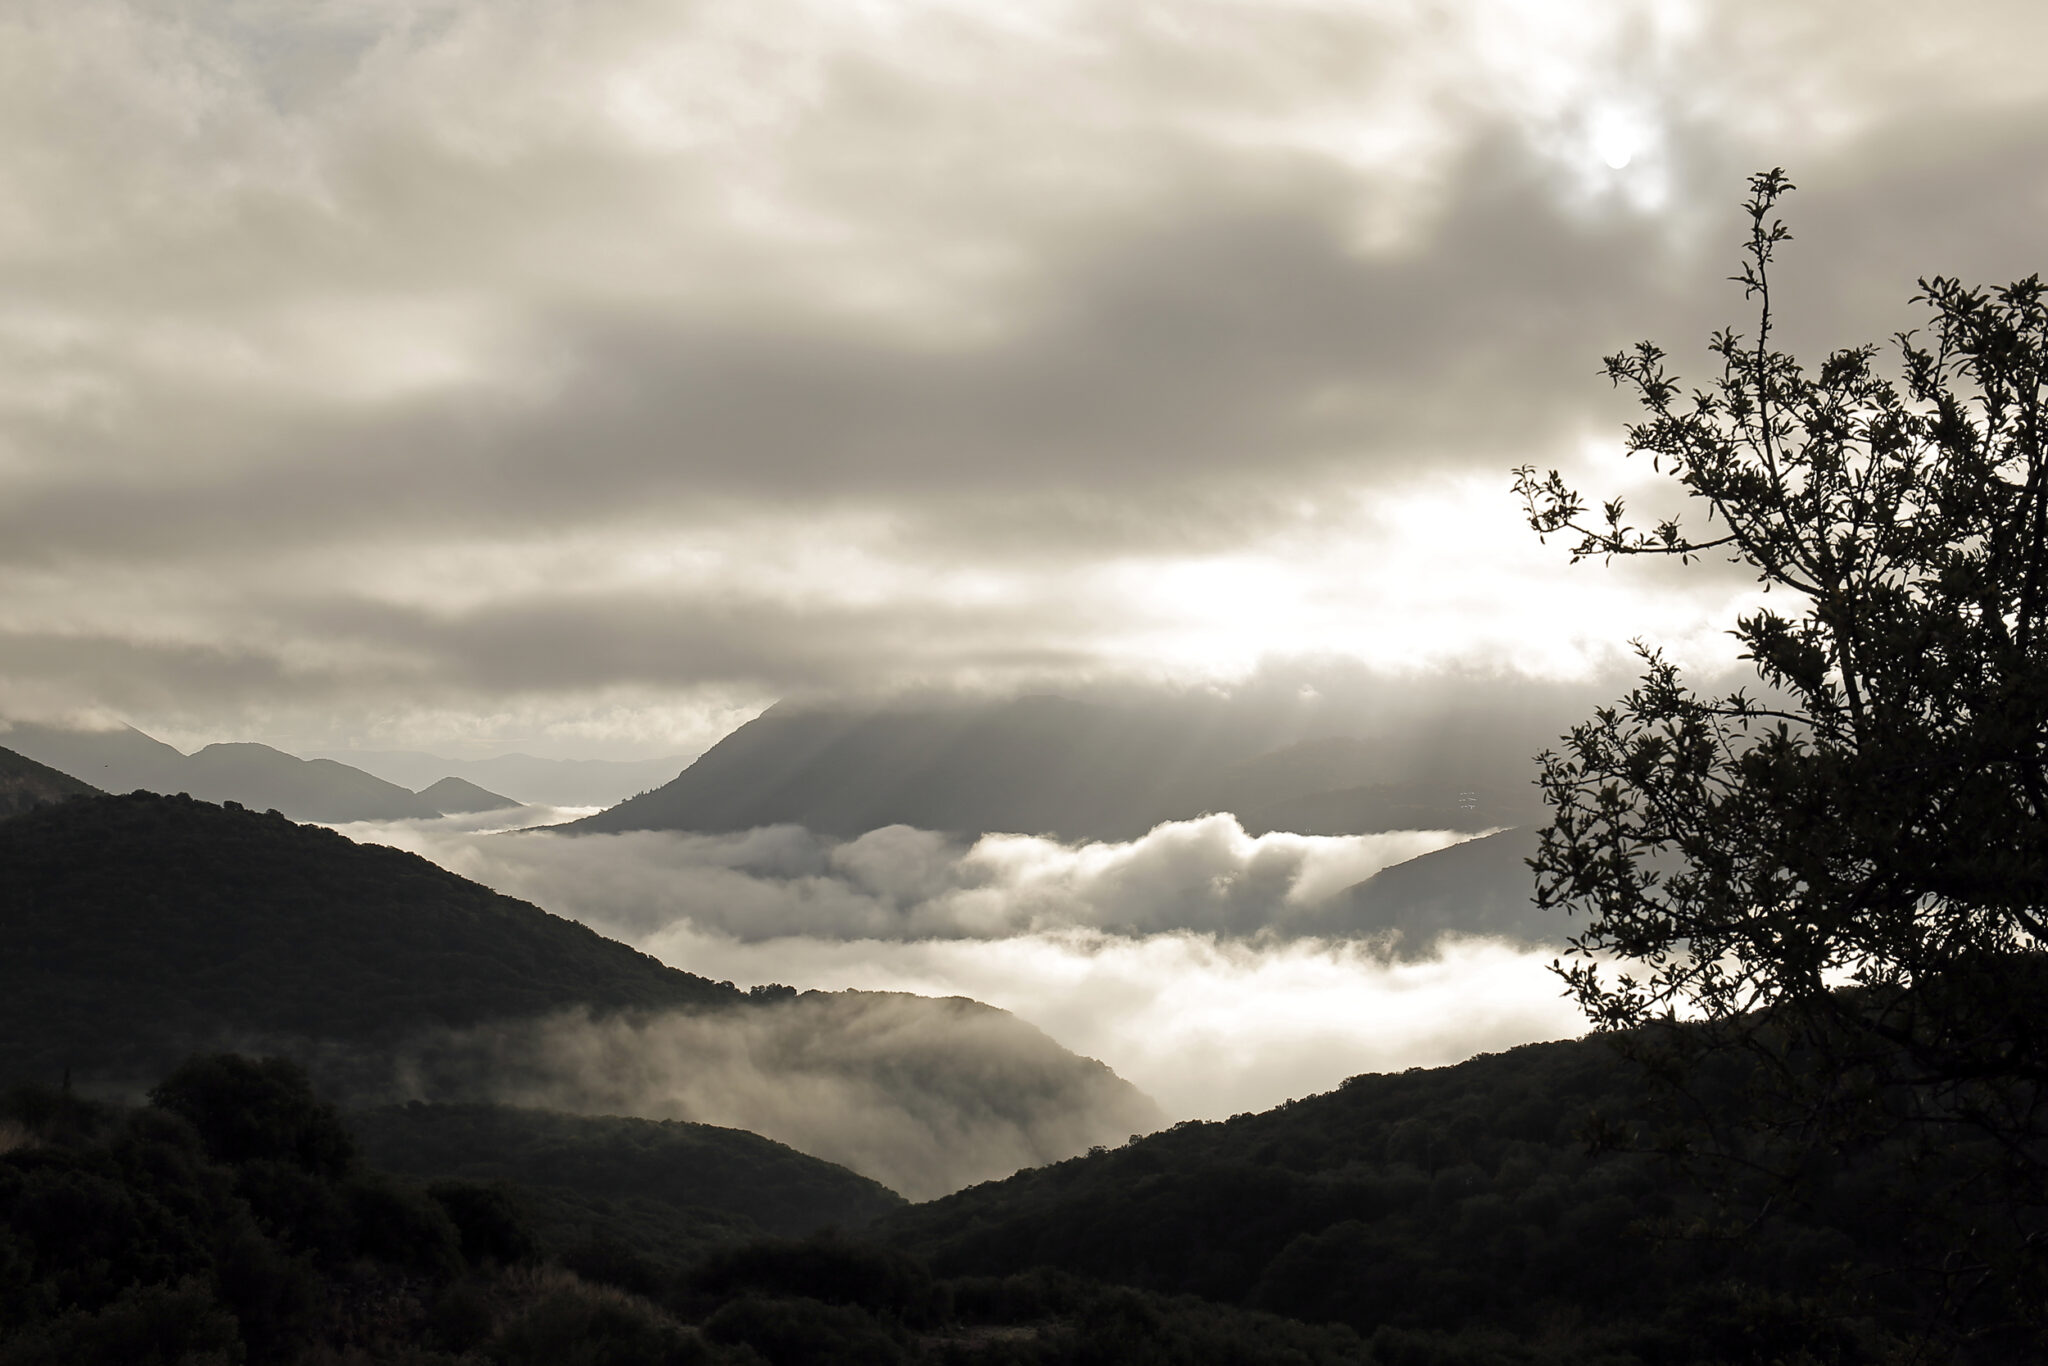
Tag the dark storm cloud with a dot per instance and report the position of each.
(1207, 343)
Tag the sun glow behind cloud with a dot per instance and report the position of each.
(1441, 573)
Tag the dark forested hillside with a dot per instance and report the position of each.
(1527, 1197)
(538, 782)
(234, 1220)
(1505, 1212)
(26, 784)
(141, 927)
(657, 1179)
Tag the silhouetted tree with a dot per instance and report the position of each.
(1849, 866)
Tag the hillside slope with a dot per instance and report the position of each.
(666, 1172)
(1041, 765)
(1050, 765)
(1528, 1197)
(257, 776)
(26, 784)
(141, 928)
(1480, 888)
(456, 796)
(144, 927)
(536, 782)
(266, 779)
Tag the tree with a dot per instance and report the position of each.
(1850, 861)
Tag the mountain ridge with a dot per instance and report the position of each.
(125, 759)
(1048, 765)
(142, 928)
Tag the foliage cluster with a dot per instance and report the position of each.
(232, 1221)
(1879, 813)
(1533, 1206)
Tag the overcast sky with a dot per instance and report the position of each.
(580, 377)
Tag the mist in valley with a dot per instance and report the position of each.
(1213, 969)
(924, 1096)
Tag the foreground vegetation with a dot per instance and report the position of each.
(1525, 1209)
(232, 1220)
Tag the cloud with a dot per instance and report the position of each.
(925, 1096)
(1207, 1026)
(1191, 961)
(1205, 876)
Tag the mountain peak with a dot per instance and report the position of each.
(457, 796)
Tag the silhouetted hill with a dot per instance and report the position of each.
(142, 928)
(234, 1220)
(1539, 1205)
(455, 796)
(304, 789)
(536, 782)
(26, 784)
(670, 1172)
(1479, 887)
(257, 776)
(118, 760)
(1046, 765)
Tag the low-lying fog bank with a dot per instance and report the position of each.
(925, 1096)
(1199, 962)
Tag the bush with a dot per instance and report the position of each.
(158, 1325)
(804, 1332)
(605, 1261)
(881, 1280)
(258, 1110)
(583, 1325)
(489, 1220)
(404, 1226)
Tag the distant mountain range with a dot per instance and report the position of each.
(142, 928)
(1054, 766)
(257, 776)
(536, 782)
(1035, 765)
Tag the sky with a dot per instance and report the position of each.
(473, 375)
